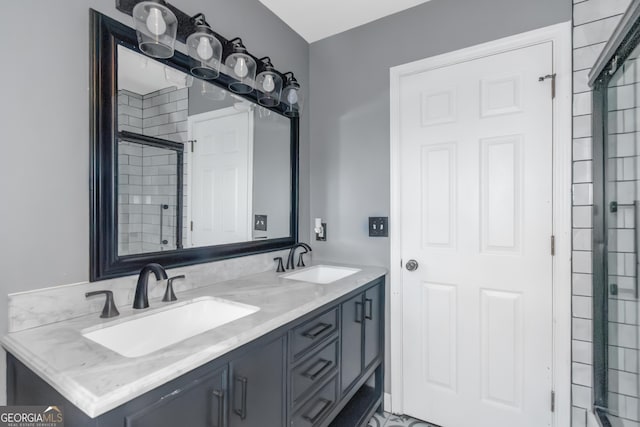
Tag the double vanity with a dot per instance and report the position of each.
(304, 348)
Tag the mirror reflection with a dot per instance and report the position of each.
(197, 165)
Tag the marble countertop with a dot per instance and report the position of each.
(96, 379)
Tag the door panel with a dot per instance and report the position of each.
(221, 179)
(351, 348)
(258, 387)
(476, 154)
(372, 336)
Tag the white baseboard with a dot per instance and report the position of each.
(386, 405)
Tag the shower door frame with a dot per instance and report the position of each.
(624, 40)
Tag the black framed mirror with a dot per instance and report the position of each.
(182, 170)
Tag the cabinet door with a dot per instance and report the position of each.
(257, 387)
(200, 404)
(351, 348)
(372, 324)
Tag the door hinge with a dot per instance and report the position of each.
(193, 144)
(400, 262)
(553, 83)
(553, 245)
(553, 401)
(191, 226)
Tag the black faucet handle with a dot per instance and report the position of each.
(110, 309)
(169, 295)
(301, 259)
(280, 268)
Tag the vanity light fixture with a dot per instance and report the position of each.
(292, 96)
(158, 24)
(205, 50)
(268, 84)
(156, 28)
(242, 67)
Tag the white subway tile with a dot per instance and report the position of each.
(594, 32)
(582, 284)
(593, 10)
(581, 374)
(582, 306)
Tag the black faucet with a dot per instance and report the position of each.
(141, 300)
(290, 262)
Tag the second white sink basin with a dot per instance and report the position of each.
(321, 274)
(161, 328)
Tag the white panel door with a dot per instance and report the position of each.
(476, 153)
(221, 178)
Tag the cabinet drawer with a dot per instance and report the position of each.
(315, 410)
(313, 370)
(314, 331)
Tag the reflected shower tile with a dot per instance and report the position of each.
(582, 262)
(581, 329)
(581, 396)
(582, 171)
(582, 126)
(581, 351)
(581, 307)
(582, 239)
(630, 360)
(582, 284)
(582, 194)
(583, 217)
(616, 357)
(582, 149)
(581, 374)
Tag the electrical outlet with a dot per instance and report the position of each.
(378, 226)
(260, 223)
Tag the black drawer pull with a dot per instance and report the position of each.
(359, 312)
(319, 410)
(219, 395)
(317, 330)
(368, 309)
(318, 368)
(242, 412)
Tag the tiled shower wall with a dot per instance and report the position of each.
(129, 175)
(594, 22)
(147, 174)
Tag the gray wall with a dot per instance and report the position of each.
(44, 213)
(349, 103)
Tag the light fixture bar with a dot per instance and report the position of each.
(188, 25)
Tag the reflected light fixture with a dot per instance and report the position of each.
(292, 96)
(242, 67)
(156, 28)
(210, 91)
(205, 50)
(268, 84)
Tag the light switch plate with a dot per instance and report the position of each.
(260, 223)
(378, 226)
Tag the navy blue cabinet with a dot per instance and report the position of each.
(323, 369)
(258, 386)
(362, 334)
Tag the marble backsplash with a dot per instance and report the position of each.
(49, 305)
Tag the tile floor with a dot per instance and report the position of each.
(390, 420)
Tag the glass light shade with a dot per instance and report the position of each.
(205, 51)
(210, 91)
(269, 87)
(243, 70)
(292, 98)
(156, 27)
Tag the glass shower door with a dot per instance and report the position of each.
(622, 234)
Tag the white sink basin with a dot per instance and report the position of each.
(321, 274)
(161, 328)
